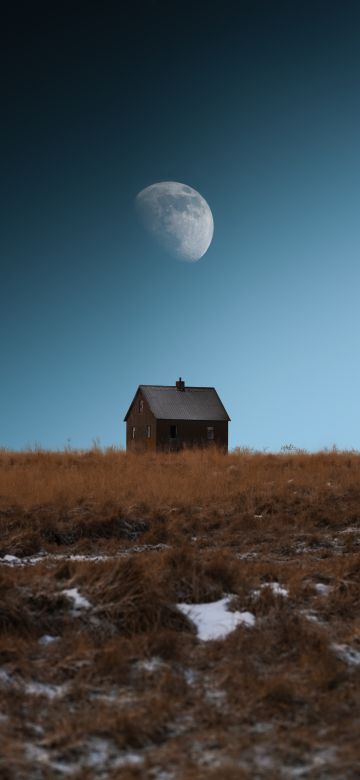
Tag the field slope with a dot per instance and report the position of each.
(179, 617)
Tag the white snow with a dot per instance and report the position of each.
(33, 688)
(53, 558)
(47, 639)
(79, 601)
(99, 755)
(215, 696)
(42, 689)
(41, 756)
(191, 676)
(311, 615)
(120, 696)
(90, 558)
(262, 728)
(163, 774)
(276, 588)
(347, 654)
(213, 620)
(322, 589)
(150, 665)
(322, 758)
(5, 678)
(128, 759)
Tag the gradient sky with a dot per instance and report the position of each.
(257, 106)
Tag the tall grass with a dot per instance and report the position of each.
(187, 479)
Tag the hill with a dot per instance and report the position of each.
(179, 616)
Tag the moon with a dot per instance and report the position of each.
(178, 217)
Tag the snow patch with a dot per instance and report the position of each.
(311, 615)
(54, 558)
(100, 755)
(151, 665)
(41, 756)
(42, 689)
(276, 588)
(262, 728)
(321, 588)
(163, 774)
(118, 696)
(191, 676)
(79, 601)
(321, 758)
(33, 688)
(347, 654)
(213, 620)
(47, 639)
(215, 696)
(5, 678)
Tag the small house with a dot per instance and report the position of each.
(174, 417)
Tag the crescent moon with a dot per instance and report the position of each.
(178, 217)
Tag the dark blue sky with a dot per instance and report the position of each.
(254, 104)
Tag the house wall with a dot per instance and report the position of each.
(140, 420)
(191, 433)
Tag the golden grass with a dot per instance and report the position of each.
(270, 701)
(190, 479)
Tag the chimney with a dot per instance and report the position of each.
(180, 384)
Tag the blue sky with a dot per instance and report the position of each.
(255, 105)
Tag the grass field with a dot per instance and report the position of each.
(102, 675)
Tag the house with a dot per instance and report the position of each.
(175, 417)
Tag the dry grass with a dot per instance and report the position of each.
(126, 689)
(184, 480)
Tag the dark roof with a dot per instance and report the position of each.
(192, 403)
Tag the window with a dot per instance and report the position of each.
(173, 431)
(141, 405)
(210, 433)
(148, 431)
(133, 432)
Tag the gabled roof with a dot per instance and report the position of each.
(192, 403)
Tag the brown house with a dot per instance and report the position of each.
(171, 418)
